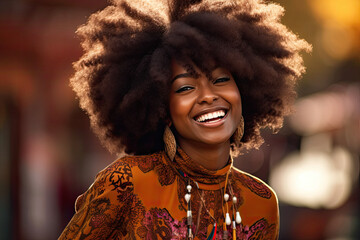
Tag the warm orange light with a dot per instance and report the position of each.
(340, 36)
(346, 12)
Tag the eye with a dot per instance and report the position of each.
(221, 80)
(184, 89)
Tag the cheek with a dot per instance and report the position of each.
(234, 98)
(179, 108)
(237, 100)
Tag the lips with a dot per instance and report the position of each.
(211, 116)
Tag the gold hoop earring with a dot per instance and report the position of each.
(169, 143)
(239, 132)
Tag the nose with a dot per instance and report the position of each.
(206, 94)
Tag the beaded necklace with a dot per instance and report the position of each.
(235, 215)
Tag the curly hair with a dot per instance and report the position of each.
(123, 78)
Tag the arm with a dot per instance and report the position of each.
(101, 212)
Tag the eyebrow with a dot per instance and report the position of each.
(182, 75)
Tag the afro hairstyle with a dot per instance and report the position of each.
(123, 78)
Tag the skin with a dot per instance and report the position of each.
(207, 143)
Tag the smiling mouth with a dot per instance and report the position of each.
(211, 117)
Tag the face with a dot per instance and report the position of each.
(204, 111)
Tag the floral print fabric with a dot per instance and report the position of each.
(142, 197)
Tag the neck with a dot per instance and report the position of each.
(212, 157)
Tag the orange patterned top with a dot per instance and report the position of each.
(142, 197)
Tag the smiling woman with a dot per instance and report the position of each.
(181, 87)
(205, 112)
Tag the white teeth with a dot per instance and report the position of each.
(210, 116)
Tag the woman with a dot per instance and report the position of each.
(181, 86)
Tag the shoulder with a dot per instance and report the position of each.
(121, 174)
(257, 193)
(110, 204)
(124, 165)
(254, 184)
(259, 203)
(116, 180)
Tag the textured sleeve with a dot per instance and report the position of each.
(277, 216)
(102, 211)
(259, 205)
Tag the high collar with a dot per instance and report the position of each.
(206, 179)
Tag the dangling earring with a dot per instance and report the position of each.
(239, 132)
(170, 143)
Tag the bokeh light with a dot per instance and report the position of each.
(315, 177)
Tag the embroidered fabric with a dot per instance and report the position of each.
(142, 197)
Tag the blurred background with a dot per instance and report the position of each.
(48, 155)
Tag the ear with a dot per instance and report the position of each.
(168, 122)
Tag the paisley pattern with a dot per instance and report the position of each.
(158, 224)
(261, 230)
(116, 207)
(154, 162)
(255, 185)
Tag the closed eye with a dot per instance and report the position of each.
(184, 89)
(221, 80)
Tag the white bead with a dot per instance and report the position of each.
(187, 197)
(226, 197)
(189, 213)
(234, 200)
(238, 218)
(227, 219)
(189, 188)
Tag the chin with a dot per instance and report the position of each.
(218, 141)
